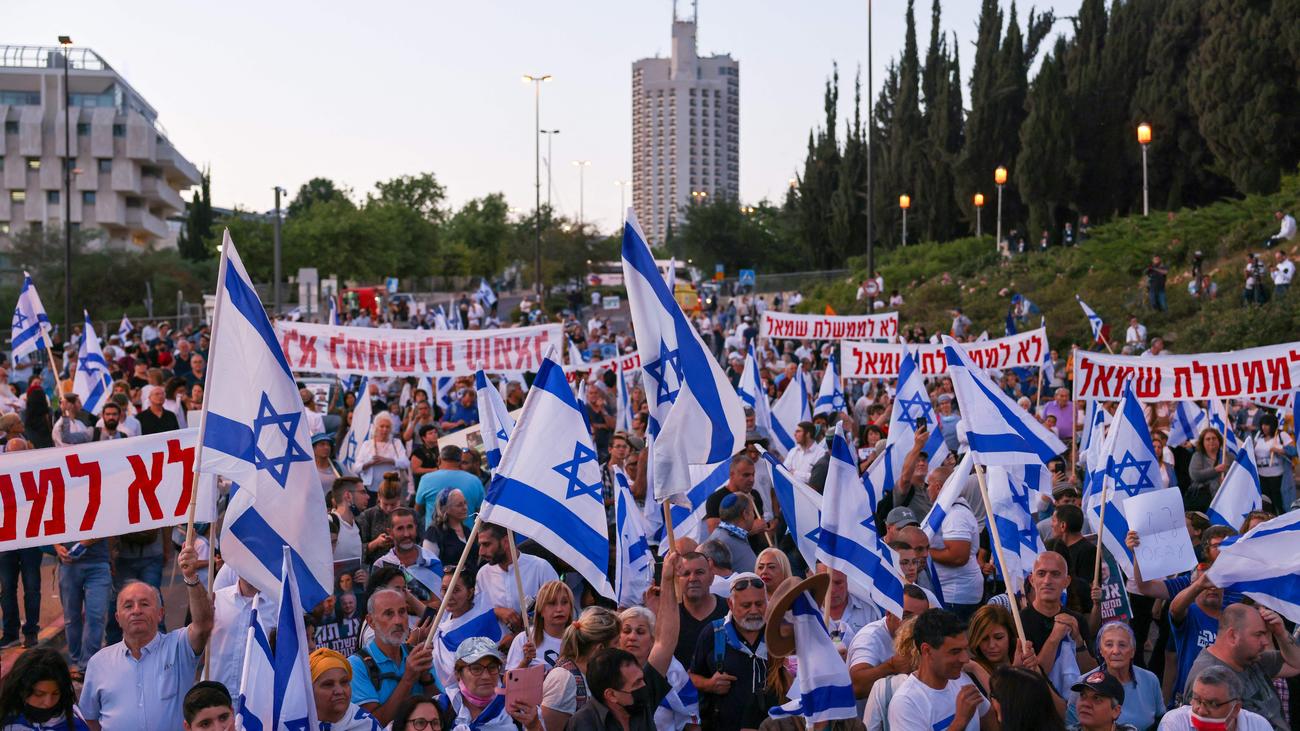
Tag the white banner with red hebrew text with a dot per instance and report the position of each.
(881, 360)
(1255, 373)
(621, 363)
(99, 489)
(383, 352)
(829, 327)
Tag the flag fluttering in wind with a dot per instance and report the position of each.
(1264, 565)
(1018, 532)
(1239, 494)
(1218, 419)
(495, 424)
(790, 409)
(830, 397)
(275, 687)
(912, 404)
(484, 294)
(124, 329)
(30, 324)
(634, 568)
(801, 507)
(359, 431)
(1100, 332)
(92, 381)
(754, 395)
(1186, 424)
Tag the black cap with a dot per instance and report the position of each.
(1101, 683)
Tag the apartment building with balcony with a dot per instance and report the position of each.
(685, 132)
(127, 179)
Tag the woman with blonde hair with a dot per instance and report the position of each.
(382, 452)
(773, 567)
(565, 689)
(552, 614)
(882, 692)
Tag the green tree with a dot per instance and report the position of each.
(722, 232)
(421, 193)
(819, 181)
(1045, 143)
(316, 190)
(197, 229)
(903, 158)
(848, 229)
(482, 226)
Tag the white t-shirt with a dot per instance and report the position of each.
(1269, 464)
(918, 707)
(497, 585)
(560, 691)
(872, 645)
(962, 584)
(874, 715)
(1180, 719)
(1282, 273)
(547, 654)
(349, 545)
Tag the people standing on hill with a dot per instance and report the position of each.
(1283, 272)
(1156, 276)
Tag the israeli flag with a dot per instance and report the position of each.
(1239, 494)
(575, 355)
(1096, 419)
(484, 294)
(359, 431)
(790, 409)
(1128, 466)
(479, 621)
(92, 381)
(830, 398)
(495, 424)
(754, 395)
(825, 692)
(30, 322)
(634, 568)
(1219, 419)
(125, 328)
(441, 393)
(1186, 424)
(911, 404)
(252, 432)
(800, 505)
(680, 374)
(1094, 320)
(1264, 565)
(548, 485)
(848, 540)
(948, 495)
(1018, 534)
(687, 513)
(275, 686)
(998, 430)
(440, 319)
(623, 415)
(334, 312)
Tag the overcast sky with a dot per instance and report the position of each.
(282, 91)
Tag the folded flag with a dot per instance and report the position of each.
(825, 692)
(801, 506)
(92, 380)
(1239, 494)
(1264, 565)
(634, 569)
(495, 424)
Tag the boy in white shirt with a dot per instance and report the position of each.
(939, 694)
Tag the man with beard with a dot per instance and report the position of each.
(700, 606)
(495, 581)
(730, 665)
(411, 557)
(110, 423)
(386, 671)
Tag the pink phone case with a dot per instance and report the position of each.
(525, 684)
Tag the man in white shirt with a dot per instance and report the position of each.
(1136, 335)
(1283, 272)
(1286, 230)
(954, 551)
(938, 694)
(9, 401)
(871, 652)
(495, 582)
(232, 610)
(805, 453)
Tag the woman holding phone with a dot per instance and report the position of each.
(473, 701)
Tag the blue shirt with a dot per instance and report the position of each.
(146, 694)
(363, 691)
(426, 494)
(458, 412)
(1196, 632)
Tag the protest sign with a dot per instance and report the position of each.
(829, 327)
(623, 363)
(1114, 596)
(312, 348)
(99, 489)
(1254, 373)
(1158, 518)
(881, 360)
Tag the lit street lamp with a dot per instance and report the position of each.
(581, 165)
(979, 211)
(999, 177)
(904, 202)
(536, 80)
(1144, 139)
(699, 196)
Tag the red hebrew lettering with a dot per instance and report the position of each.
(1005, 357)
(444, 359)
(1203, 374)
(289, 336)
(355, 352)
(9, 516)
(1146, 382)
(1254, 373)
(144, 486)
(77, 468)
(1227, 379)
(1085, 368)
(404, 354)
(1182, 382)
(1279, 374)
(377, 353)
(307, 360)
(335, 341)
(185, 457)
(1104, 376)
(38, 488)
(800, 329)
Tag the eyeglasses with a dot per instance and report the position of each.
(1209, 705)
(904, 562)
(420, 724)
(744, 584)
(479, 670)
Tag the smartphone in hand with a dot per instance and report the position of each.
(524, 685)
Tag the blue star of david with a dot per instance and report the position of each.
(1116, 472)
(286, 425)
(814, 535)
(658, 370)
(20, 320)
(570, 470)
(920, 402)
(837, 400)
(501, 435)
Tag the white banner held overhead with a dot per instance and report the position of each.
(99, 489)
(621, 364)
(829, 327)
(312, 348)
(882, 360)
(1255, 373)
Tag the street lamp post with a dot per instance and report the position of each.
(871, 152)
(999, 177)
(622, 198)
(904, 202)
(65, 41)
(582, 212)
(979, 211)
(550, 137)
(275, 267)
(1144, 139)
(537, 80)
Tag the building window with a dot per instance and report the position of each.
(105, 165)
(119, 130)
(11, 127)
(88, 197)
(52, 197)
(33, 163)
(17, 196)
(83, 129)
(20, 98)
(134, 202)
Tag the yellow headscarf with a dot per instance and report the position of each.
(322, 659)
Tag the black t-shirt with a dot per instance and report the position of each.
(747, 704)
(1156, 276)
(1038, 627)
(594, 716)
(690, 630)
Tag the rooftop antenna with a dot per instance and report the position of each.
(695, 11)
(674, 11)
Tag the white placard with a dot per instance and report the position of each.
(1165, 547)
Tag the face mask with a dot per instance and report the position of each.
(1203, 723)
(637, 707)
(479, 700)
(39, 715)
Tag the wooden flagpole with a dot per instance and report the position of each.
(203, 412)
(997, 546)
(455, 576)
(519, 580)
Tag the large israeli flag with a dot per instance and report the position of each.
(801, 506)
(253, 433)
(92, 381)
(754, 395)
(790, 409)
(359, 431)
(1018, 534)
(30, 323)
(548, 485)
(912, 404)
(1186, 423)
(1094, 320)
(848, 540)
(825, 692)
(1239, 494)
(1128, 466)
(997, 429)
(1264, 565)
(275, 686)
(495, 424)
(830, 397)
(677, 371)
(634, 566)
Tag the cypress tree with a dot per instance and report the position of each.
(820, 180)
(903, 170)
(1044, 143)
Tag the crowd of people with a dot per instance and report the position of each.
(526, 642)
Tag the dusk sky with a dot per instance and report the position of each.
(278, 92)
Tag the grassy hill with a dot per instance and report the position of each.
(1106, 271)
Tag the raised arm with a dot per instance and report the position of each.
(668, 619)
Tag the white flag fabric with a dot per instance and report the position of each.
(830, 398)
(1094, 320)
(911, 404)
(1264, 565)
(623, 415)
(1218, 419)
(948, 495)
(687, 511)
(1018, 534)
(1239, 494)
(575, 355)
(495, 424)
(1186, 423)
(825, 692)
(359, 431)
(998, 430)
(92, 381)
(790, 409)
(30, 323)
(484, 293)
(255, 436)
(275, 686)
(548, 485)
(754, 395)
(334, 312)
(801, 506)
(634, 568)
(124, 329)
